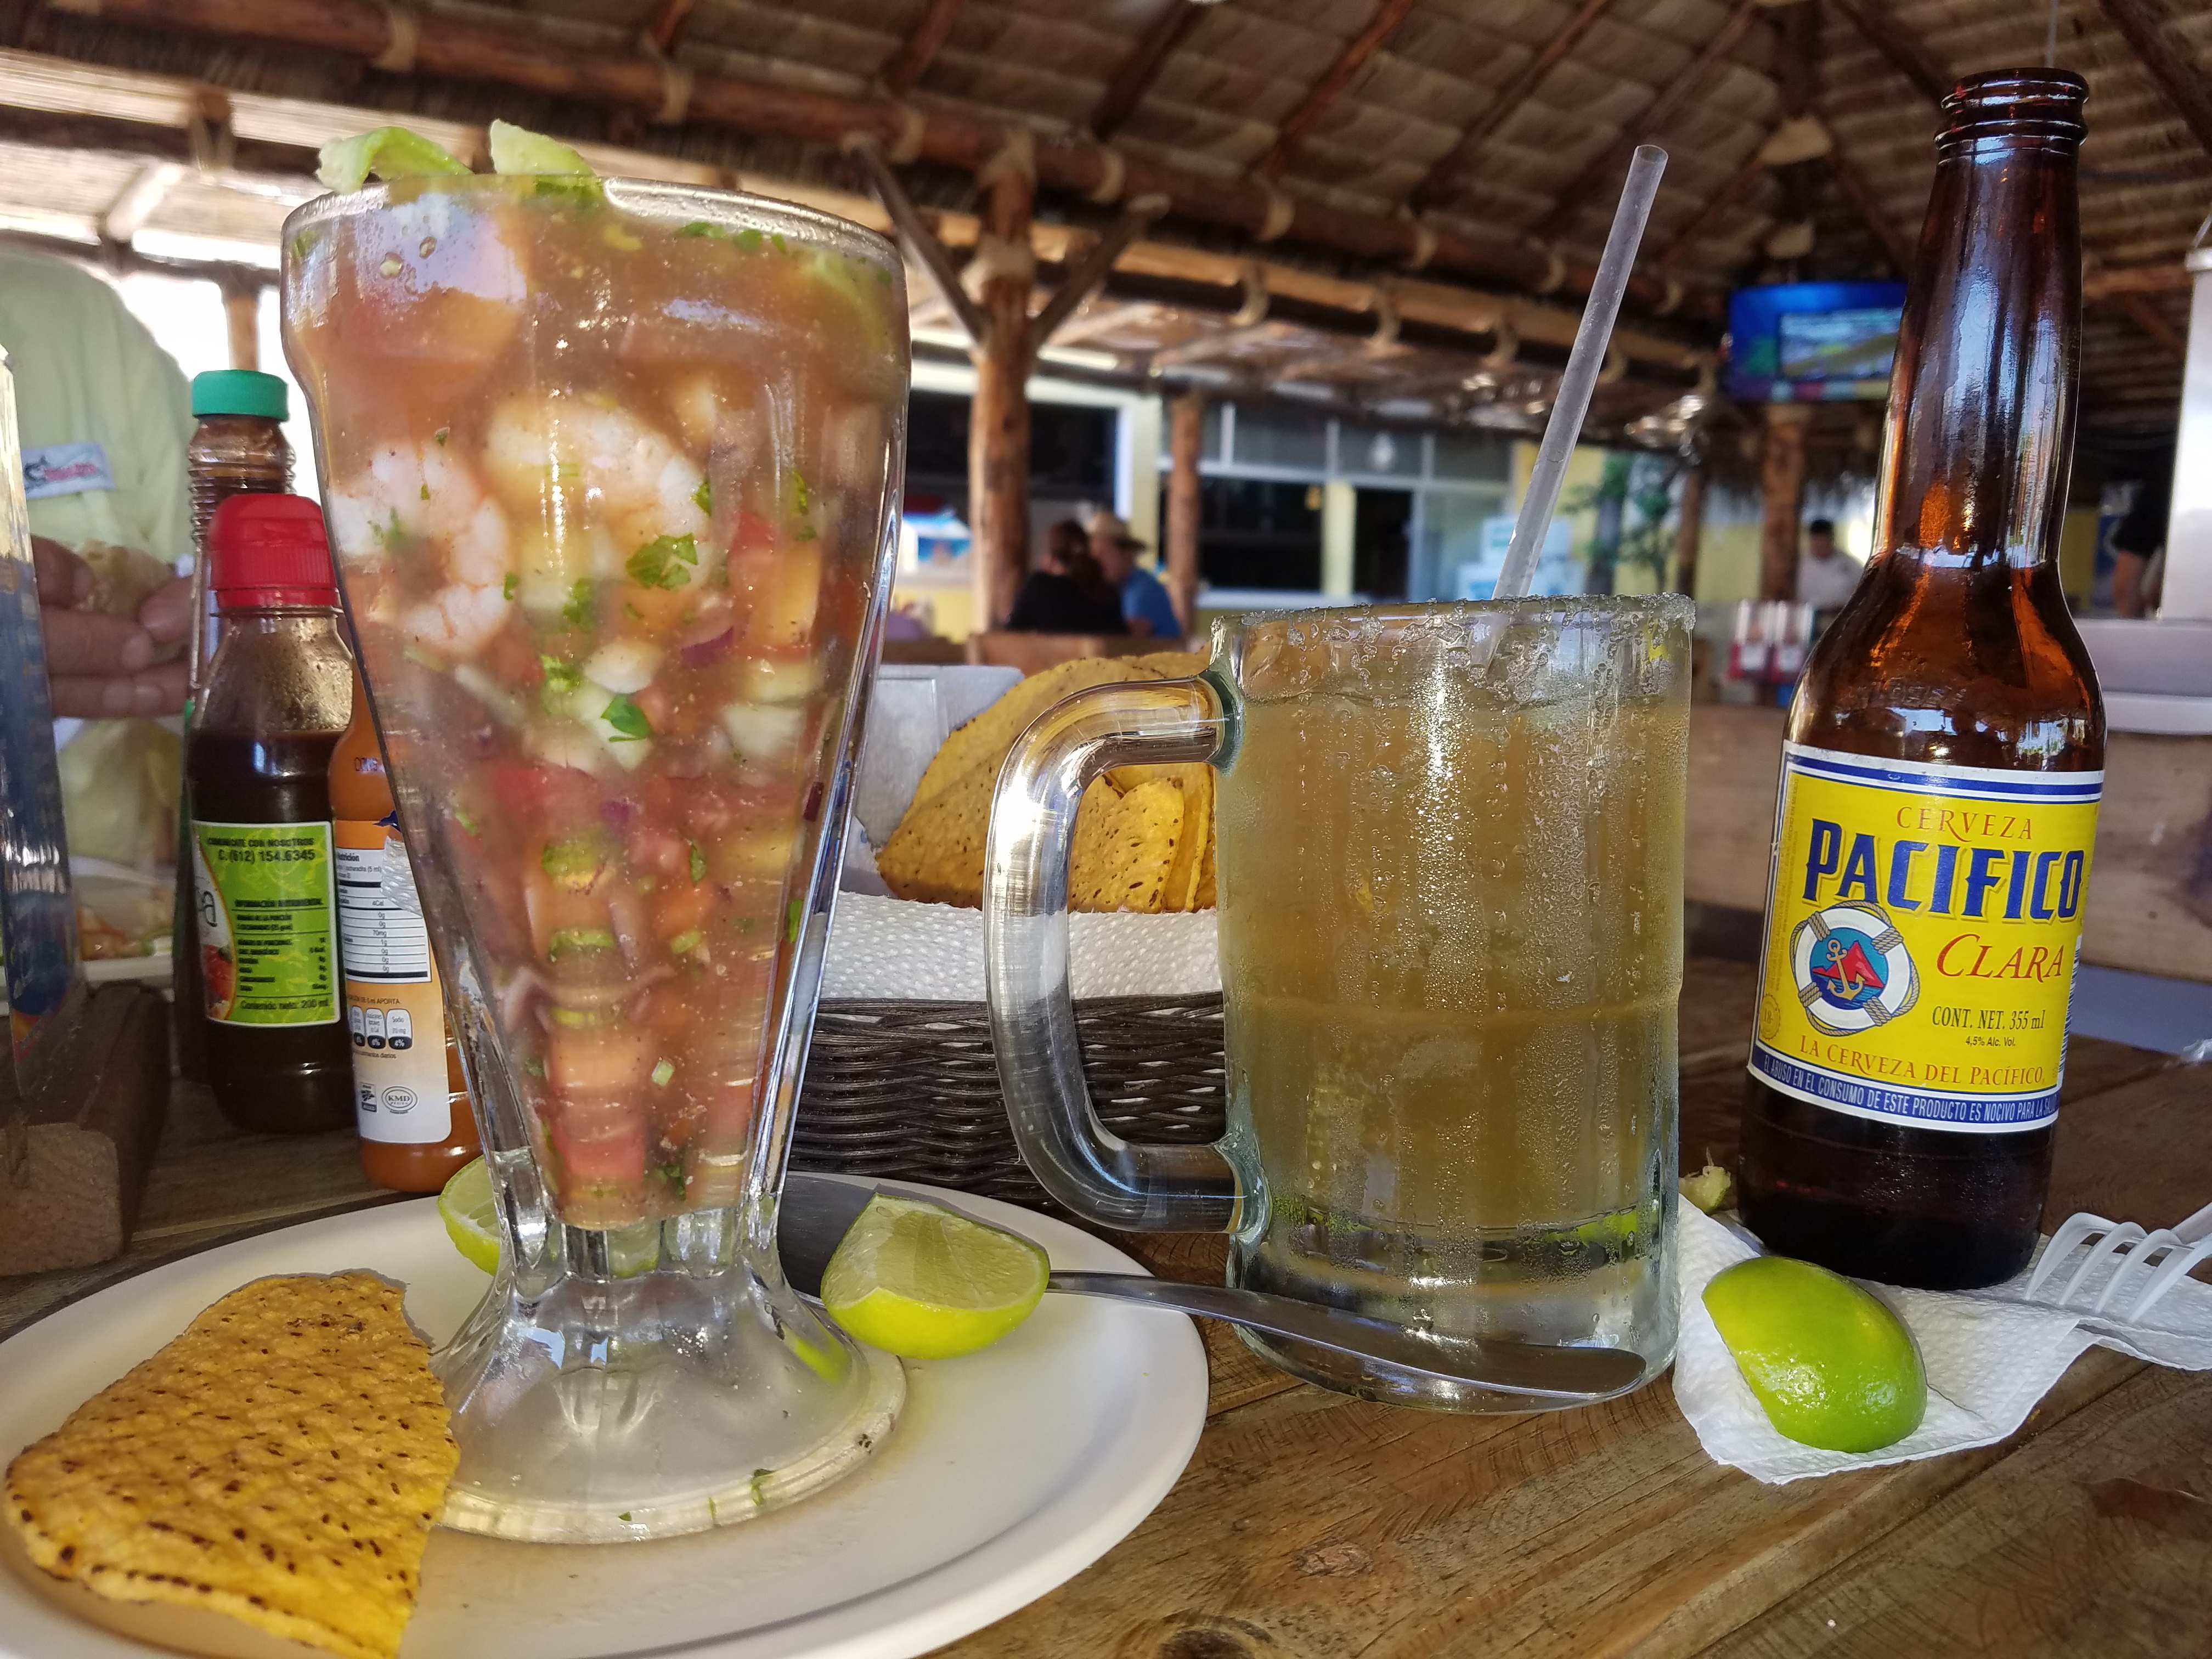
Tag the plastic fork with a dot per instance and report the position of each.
(2148, 1264)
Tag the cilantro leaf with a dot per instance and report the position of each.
(703, 497)
(698, 862)
(628, 719)
(507, 587)
(581, 606)
(660, 562)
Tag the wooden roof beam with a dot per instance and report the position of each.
(1661, 110)
(1388, 14)
(1899, 48)
(2161, 278)
(919, 48)
(1854, 191)
(667, 26)
(462, 47)
(1515, 93)
(2139, 314)
(1134, 78)
(1716, 204)
(2144, 25)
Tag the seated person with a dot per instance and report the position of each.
(1066, 593)
(1145, 601)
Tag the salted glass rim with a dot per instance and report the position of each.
(1535, 608)
(650, 198)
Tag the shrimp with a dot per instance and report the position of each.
(420, 493)
(578, 467)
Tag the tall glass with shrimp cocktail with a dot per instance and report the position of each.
(610, 472)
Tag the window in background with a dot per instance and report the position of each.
(1255, 533)
(1378, 451)
(1271, 437)
(1480, 458)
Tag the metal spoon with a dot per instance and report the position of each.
(817, 1210)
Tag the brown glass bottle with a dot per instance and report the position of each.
(278, 697)
(237, 445)
(1956, 652)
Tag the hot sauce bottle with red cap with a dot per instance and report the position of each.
(277, 698)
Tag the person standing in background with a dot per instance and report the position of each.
(1825, 573)
(2138, 547)
(1145, 600)
(103, 414)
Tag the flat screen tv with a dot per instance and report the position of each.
(1813, 341)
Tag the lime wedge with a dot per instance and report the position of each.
(345, 164)
(470, 1215)
(518, 150)
(1830, 1364)
(471, 1219)
(917, 1280)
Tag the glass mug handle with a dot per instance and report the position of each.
(1096, 1174)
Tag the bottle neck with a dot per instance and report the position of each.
(1979, 438)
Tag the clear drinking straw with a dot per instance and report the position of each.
(1580, 379)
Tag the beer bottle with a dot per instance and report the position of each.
(1944, 757)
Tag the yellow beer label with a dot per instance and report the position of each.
(1922, 926)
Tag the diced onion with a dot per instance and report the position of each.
(763, 732)
(623, 666)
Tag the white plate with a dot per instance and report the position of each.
(1009, 1472)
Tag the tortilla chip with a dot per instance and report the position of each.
(935, 856)
(1124, 846)
(1205, 897)
(280, 1463)
(1192, 852)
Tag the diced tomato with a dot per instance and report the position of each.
(665, 1011)
(558, 793)
(754, 537)
(682, 907)
(661, 851)
(601, 1142)
(511, 660)
(710, 809)
(598, 1062)
(664, 716)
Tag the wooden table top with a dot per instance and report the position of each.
(1310, 1525)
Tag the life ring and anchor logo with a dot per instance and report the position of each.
(1852, 969)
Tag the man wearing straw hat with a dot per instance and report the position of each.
(1145, 601)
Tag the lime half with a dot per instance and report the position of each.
(1832, 1366)
(918, 1280)
(471, 1216)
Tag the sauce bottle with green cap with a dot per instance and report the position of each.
(278, 697)
(237, 445)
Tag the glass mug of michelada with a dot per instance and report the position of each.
(1449, 869)
(609, 468)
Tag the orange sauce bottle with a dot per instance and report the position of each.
(410, 1103)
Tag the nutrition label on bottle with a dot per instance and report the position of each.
(267, 911)
(395, 1010)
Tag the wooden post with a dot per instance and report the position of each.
(241, 310)
(1782, 482)
(1186, 425)
(998, 428)
(1690, 529)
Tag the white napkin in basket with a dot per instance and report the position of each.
(896, 950)
(1990, 1355)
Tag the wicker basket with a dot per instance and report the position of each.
(910, 1090)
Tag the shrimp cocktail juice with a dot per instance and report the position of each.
(608, 472)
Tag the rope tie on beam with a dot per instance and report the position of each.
(998, 257)
(1113, 175)
(1502, 355)
(1555, 269)
(214, 145)
(1254, 310)
(1386, 320)
(1425, 244)
(1670, 299)
(402, 34)
(913, 126)
(1616, 367)
(1281, 209)
(1015, 157)
(675, 84)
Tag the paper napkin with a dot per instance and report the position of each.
(882, 947)
(1989, 1354)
